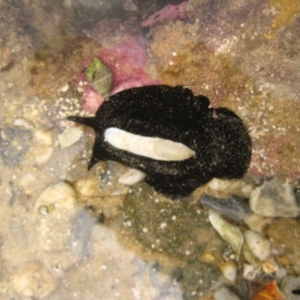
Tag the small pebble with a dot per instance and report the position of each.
(110, 174)
(88, 187)
(259, 245)
(220, 185)
(23, 123)
(257, 223)
(131, 177)
(250, 271)
(64, 88)
(275, 198)
(223, 293)
(234, 207)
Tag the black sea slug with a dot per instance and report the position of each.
(172, 136)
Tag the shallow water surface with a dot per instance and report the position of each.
(70, 233)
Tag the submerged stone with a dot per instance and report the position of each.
(14, 143)
(275, 198)
(173, 228)
(233, 207)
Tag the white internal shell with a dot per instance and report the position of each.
(152, 147)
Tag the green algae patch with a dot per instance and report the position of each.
(175, 228)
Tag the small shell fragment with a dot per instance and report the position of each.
(230, 233)
(250, 271)
(249, 256)
(269, 291)
(155, 148)
(270, 266)
(229, 270)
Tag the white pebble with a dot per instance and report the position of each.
(259, 245)
(163, 225)
(131, 177)
(22, 123)
(64, 88)
(221, 185)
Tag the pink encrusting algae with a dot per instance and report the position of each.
(169, 12)
(127, 61)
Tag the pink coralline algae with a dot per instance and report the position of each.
(169, 12)
(127, 61)
(270, 162)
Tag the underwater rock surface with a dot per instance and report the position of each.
(140, 127)
(14, 143)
